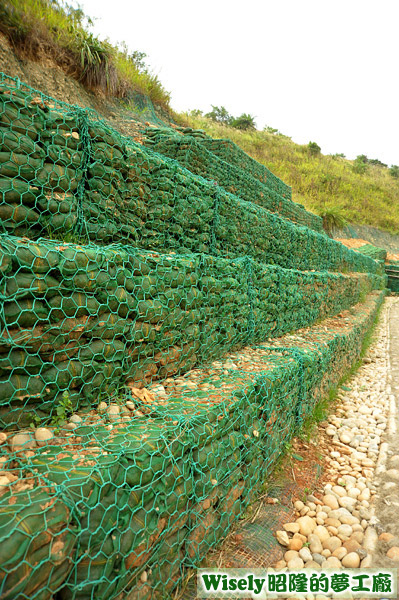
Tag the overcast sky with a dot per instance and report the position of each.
(317, 70)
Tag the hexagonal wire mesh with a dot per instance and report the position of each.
(125, 281)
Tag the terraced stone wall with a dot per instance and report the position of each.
(89, 319)
(191, 153)
(65, 174)
(119, 508)
(124, 282)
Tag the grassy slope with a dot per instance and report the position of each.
(42, 29)
(321, 182)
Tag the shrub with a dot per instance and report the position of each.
(244, 122)
(394, 171)
(333, 218)
(220, 114)
(360, 164)
(314, 149)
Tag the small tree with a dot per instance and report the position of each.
(314, 149)
(220, 114)
(244, 122)
(394, 171)
(195, 112)
(272, 130)
(376, 162)
(333, 218)
(360, 164)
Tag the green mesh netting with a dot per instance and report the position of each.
(65, 174)
(85, 319)
(269, 192)
(150, 372)
(373, 252)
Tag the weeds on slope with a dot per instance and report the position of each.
(324, 184)
(52, 29)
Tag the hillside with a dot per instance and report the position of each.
(170, 321)
(51, 47)
(321, 183)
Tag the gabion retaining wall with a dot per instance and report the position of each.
(191, 153)
(87, 319)
(122, 505)
(65, 174)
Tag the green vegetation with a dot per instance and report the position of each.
(314, 149)
(219, 114)
(63, 410)
(244, 122)
(333, 218)
(326, 185)
(394, 171)
(56, 30)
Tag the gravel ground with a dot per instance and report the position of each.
(354, 521)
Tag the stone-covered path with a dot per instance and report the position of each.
(353, 520)
(386, 552)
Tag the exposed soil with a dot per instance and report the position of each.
(53, 81)
(353, 243)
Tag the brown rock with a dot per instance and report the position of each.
(289, 555)
(282, 538)
(306, 525)
(291, 527)
(314, 544)
(321, 533)
(331, 563)
(295, 564)
(332, 543)
(351, 545)
(22, 441)
(299, 536)
(340, 553)
(311, 564)
(331, 501)
(295, 544)
(393, 553)
(333, 522)
(386, 537)
(358, 536)
(351, 560)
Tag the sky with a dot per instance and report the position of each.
(323, 71)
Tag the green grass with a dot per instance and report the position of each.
(325, 185)
(48, 28)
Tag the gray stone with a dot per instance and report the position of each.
(113, 412)
(75, 419)
(22, 441)
(43, 436)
